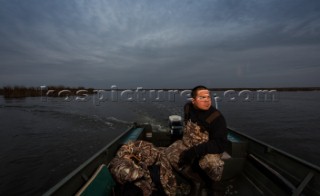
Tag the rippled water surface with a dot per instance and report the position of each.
(42, 141)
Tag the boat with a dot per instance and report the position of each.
(252, 167)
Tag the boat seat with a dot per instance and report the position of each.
(100, 183)
(234, 157)
(133, 136)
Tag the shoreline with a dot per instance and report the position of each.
(23, 92)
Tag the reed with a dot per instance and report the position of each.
(20, 92)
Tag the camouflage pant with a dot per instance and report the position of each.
(210, 163)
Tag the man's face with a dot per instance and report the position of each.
(203, 100)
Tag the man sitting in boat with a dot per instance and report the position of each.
(198, 155)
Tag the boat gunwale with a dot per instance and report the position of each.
(76, 171)
(306, 163)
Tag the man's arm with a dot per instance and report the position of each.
(217, 142)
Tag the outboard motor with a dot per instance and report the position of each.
(176, 127)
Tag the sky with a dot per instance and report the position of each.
(160, 43)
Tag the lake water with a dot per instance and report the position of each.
(42, 140)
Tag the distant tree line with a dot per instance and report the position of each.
(275, 88)
(22, 92)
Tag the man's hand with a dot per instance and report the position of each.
(187, 156)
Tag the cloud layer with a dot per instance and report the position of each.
(158, 44)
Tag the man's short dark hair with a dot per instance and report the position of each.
(196, 89)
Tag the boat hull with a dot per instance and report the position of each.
(251, 167)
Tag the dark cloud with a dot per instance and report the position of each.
(158, 44)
